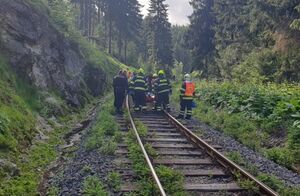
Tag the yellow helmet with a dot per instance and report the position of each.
(161, 72)
(141, 71)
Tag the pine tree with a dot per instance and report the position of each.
(160, 51)
(200, 35)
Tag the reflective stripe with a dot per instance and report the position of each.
(163, 91)
(140, 88)
(164, 84)
(140, 80)
(144, 107)
(187, 98)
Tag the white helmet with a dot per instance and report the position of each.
(187, 77)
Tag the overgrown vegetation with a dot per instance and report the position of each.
(93, 187)
(172, 181)
(105, 134)
(114, 181)
(271, 181)
(35, 160)
(264, 112)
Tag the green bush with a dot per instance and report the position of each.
(114, 181)
(108, 147)
(171, 180)
(253, 110)
(271, 181)
(281, 156)
(93, 187)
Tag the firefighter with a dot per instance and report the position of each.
(187, 93)
(140, 88)
(154, 78)
(163, 89)
(120, 85)
(131, 85)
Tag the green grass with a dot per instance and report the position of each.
(105, 133)
(34, 161)
(270, 180)
(114, 181)
(93, 187)
(17, 120)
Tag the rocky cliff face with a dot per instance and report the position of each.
(41, 55)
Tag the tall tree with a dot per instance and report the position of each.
(200, 35)
(161, 51)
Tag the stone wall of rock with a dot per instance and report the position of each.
(42, 56)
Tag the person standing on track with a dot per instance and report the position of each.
(163, 89)
(120, 85)
(140, 88)
(131, 86)
(187, 93)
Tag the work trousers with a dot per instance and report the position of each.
(139, 100)
(119, 100)
(163, 101)
(186, 105)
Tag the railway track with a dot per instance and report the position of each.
(206, 171)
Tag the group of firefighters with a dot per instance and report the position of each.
(139, 86)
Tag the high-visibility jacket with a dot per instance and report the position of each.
(162, 85)
(187, 90)
(140, 83)
(131, 85)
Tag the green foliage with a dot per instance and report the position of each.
(247, 111)
(236, 157)
(63, 15)
(17, 121)
(53, 191)
(93, 187)
(160, 36)
(141, 128)
(246, 184)
(151, 151)
(244, 39)
(271, 181)
(138, 163)
(172, 180)
(86, 169)
(281, 156)
(108, 147)
(105, 133)
(294, 143)
(296, 23)
(114, 181)
(268, 65)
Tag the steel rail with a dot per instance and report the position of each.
(153, 173)
(224, 161)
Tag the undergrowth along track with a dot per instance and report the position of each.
(206, 171)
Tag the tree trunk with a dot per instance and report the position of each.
(81, 20)
(110, 36)
(120, 45)
(125, 51)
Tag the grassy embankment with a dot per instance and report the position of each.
(263, 117)
(21, 104)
